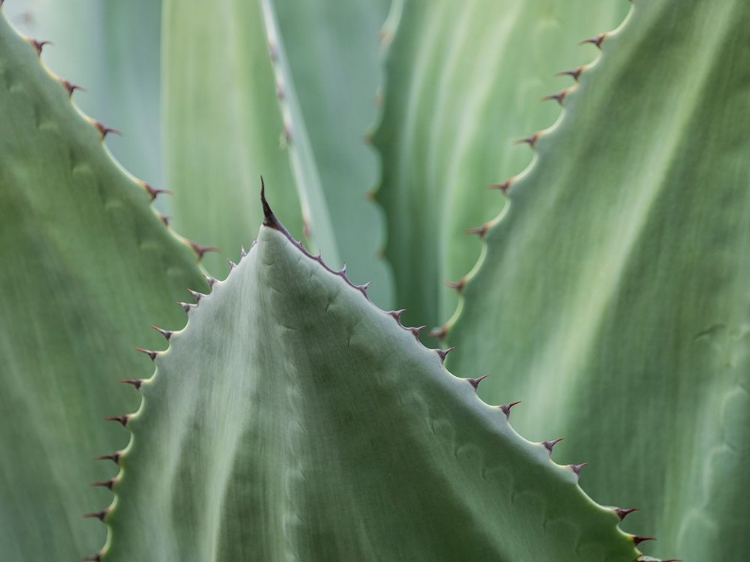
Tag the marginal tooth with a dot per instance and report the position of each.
(475, 382)
(123, 419)
(135, 382)
(596, 40)
(150, 353)
(506, 408)
(550, 444)
(166, 333)
(504, 186)
(439, 332)
(443, 352)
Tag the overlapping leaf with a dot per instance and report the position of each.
(86, 266)
(614, 293)
(293, 419)
(463, 81)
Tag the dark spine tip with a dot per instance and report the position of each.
(558, 97)
(623, 513)
(135, 382)
(166, 333)
(150, 353)
(415, 331)
(475, 381)
(200, 250)
(153, 191)
(638, 539)
(396, 314)
(105, 483)
(39, 45)
(575, 73)
(269, 219)
(550, 444)
(442, 353)
(120, 419)
(196, 295)
(576, 468)
(100, 515)
(165, 219)
(114, 457)
(457, 285)
(597, 40)
(104, 130)
(210, 280)
(479, 230)
(186, 306)
(503, 186)
(70, 87)
(531, 140)
(506, 408)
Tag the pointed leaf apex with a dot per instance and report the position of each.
(269, 219)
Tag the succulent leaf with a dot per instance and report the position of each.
(463, 81)
(292, 419)
(110, 51)
(86, 265)
(613, 297)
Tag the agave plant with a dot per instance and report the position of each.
(298, 415)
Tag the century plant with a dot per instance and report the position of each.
(298, 415)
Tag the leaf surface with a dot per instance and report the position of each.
(614, 293)
(87, 265)
(292, 419)
(463, 81)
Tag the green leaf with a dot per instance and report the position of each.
(222, 124)
(87, 265)
(463, 81)
(112, 50)
(614, 299)
(293, 419)
(333, 55)
(225, 137)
